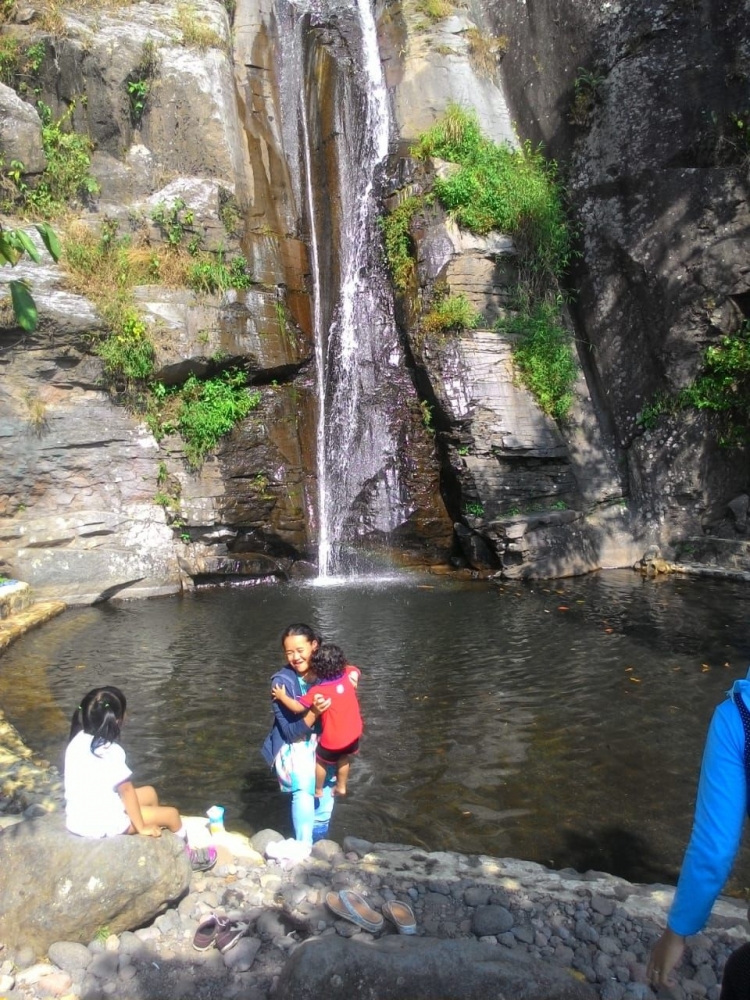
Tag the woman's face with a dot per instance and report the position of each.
(299, 649)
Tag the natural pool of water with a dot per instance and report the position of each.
(562, 722)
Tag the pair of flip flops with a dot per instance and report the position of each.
(349, 905)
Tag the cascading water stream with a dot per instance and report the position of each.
(324, 548)
(358, 441)
(336, 135)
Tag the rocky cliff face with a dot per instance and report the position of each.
(662, 204)
(638, 101)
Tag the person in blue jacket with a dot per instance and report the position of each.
(290, 745)
(720, 811)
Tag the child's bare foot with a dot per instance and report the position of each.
(319, 792)
(339, 790)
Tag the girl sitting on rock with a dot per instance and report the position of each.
(100, 798)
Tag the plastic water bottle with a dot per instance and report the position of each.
(216, 819)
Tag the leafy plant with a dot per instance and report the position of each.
(474, 509)
(229, 212)
(722, 387)
(216, 275)
(396, 227)
(139, 82)
(174, 221)
(163, 500)
(502, 188)
(129, 352)
(660, 404)
(7, 10)
(452, 312)
(586, 92)
(18, 64)
(543, 356)
(138, 91)
(14, 244)
(66, 176)
(210, 409)
(426, 414)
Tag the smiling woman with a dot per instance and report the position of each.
(290, 746)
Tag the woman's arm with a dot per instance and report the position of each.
(714, 841)
(132, 806)
(293, 727)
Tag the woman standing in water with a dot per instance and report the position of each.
(290, 746)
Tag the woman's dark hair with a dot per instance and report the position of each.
(328, 662)
(100, 714)
(301, 629)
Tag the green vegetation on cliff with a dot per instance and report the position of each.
(106, 267)
(543, 357)
(65, 179)
(202, 411)
(722, 387)
(497, 187)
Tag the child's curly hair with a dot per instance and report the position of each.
(328, 662)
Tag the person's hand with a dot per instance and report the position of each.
(150, 831)
(320, 704)
(278, 690)
(664, 956)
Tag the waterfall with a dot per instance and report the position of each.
(324, 547)
(360, 478)
(359, 361)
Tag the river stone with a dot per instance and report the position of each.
(71, 956)
(81, 885)
(491, 920)
(403, 968)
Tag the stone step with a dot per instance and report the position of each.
(14, 596)
(20, 622)
(708, 550)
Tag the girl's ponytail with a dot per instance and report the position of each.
(100, 714)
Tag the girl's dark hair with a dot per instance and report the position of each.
(301, 629)
(328, 662)
(100, 714)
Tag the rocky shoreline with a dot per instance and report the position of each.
(594, 928)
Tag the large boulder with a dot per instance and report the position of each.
(399, 968)
(55, 886)
(20, 132)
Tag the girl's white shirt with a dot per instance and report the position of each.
(93, 807)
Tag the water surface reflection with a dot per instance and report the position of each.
(562, 723)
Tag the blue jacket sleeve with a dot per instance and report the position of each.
(290, 724)
(717, 825)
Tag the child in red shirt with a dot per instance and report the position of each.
(341, 722)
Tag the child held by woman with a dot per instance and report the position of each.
(341, 722)
(100, 798)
